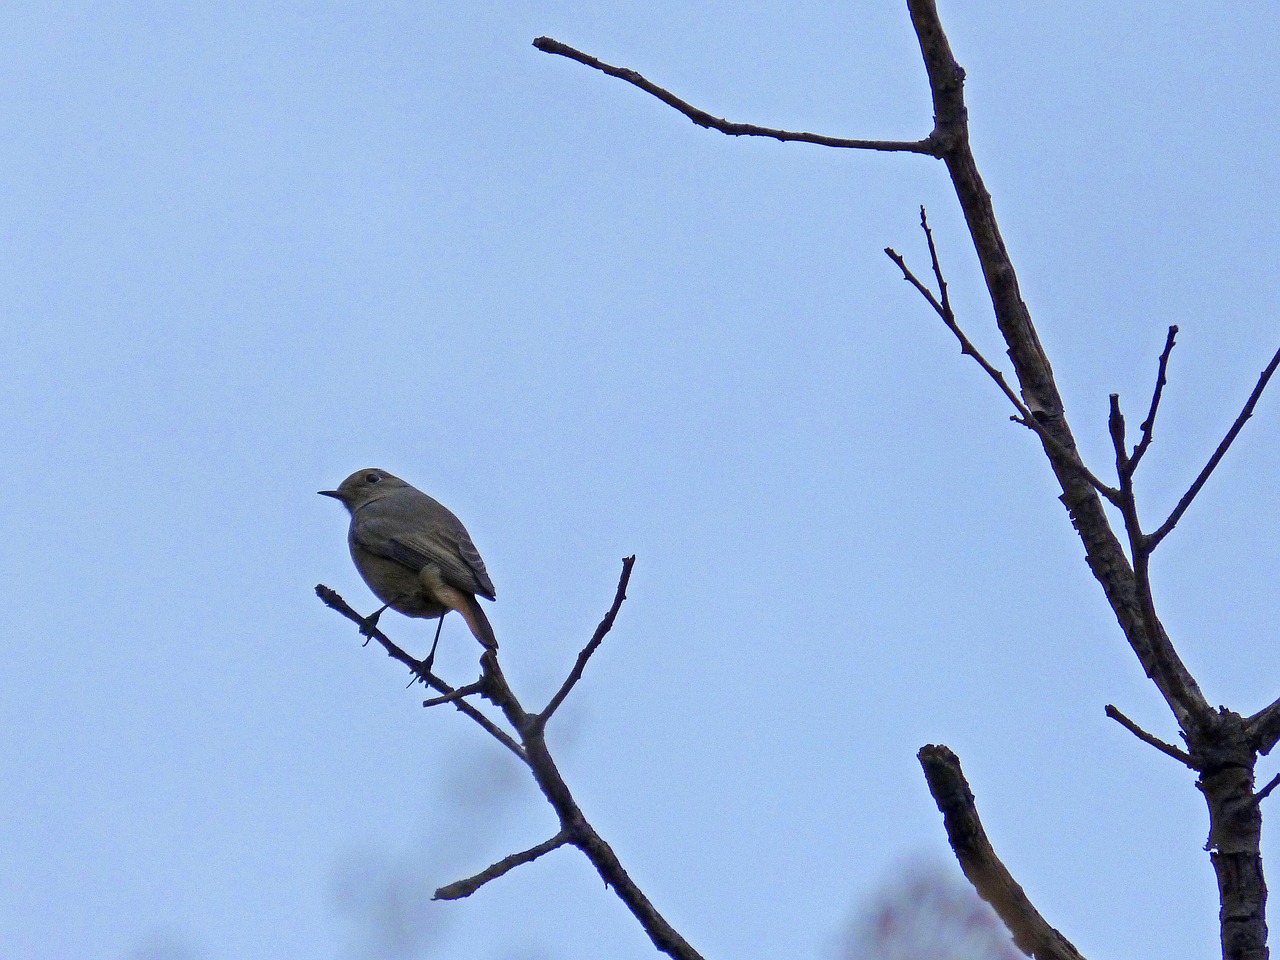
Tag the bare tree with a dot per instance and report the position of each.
(1221, 745)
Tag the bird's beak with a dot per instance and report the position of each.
(330, 493)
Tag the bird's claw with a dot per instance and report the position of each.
(369, 625)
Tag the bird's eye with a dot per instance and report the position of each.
(371, 478)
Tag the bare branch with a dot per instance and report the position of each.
(1148, 425)
(965, 346)
(704, 119)
(596, 639)
(467, 691)
(333, 601)
(1031, 932)
(937, 267)
(574, 827)
(1166, 748)
(943, 309)
(1245, 414)
(465, 888)
(572, 820)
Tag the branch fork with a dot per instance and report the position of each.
(527, 741)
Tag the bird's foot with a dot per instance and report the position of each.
(369, 625)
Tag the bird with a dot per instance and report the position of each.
(414, 554)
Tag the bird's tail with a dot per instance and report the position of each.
(473, 613)
(447, 595)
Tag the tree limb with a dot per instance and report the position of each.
(949, 141)
(1040, 393)
(573, 822)
(1166, 748)
(333, 601)
(465, 888)
(1163, 530)
(989, 876)
(704, 119)
(596, 639)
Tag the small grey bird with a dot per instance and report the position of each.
(414, 554)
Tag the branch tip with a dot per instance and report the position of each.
(592, 645)
(1165, 528)
(989, 876)
(1148, 425)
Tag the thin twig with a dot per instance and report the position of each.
(1218, 454)
(1025, 417)
(1148, 425)
(333, 601)
(1266, 791)
(1166, 748)
(464, 888)
(596, 639)
(943, 296)
(926, 146)
(458, 694)
(965, 346)
(1116, 427)
(989, 876)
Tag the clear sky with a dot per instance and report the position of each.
(249, 248)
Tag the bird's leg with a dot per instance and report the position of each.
(431, 657)
(452, 598)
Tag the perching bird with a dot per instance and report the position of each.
(414, 554)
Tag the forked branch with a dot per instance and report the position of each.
(333, 601)
(1264, 728)
(941, 305)
(575, 830)
(1037, 386)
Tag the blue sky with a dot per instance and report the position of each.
(251, 248)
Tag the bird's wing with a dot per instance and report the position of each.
(449, 549)
(471, 556)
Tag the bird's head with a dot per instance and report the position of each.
(363, 486)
